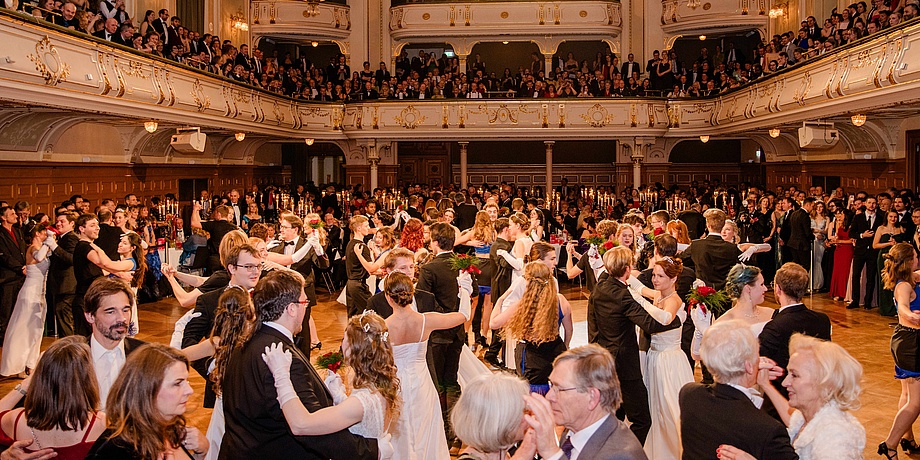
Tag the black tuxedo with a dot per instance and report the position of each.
(414, 212)
(424, 300)
(624, 70)
(612, 317)
(238, 210)
(907, 223)
(255, 425)
(712, 415)
(330, 203)
(109, 237)
(63, 282)
(466, 216)
(864, 256)
(106, 36)
(305, 268)
(501, 282)
(774, 340)
(801, 237)
(712, 258)
(12, 261)
(696, 223)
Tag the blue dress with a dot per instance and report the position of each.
(535, 362)
(904, 343)
(485, 265)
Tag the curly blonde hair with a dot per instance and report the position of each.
(483, 229)
(899, 266)
(537, 317)
(370, 355)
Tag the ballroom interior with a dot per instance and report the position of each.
(79, 115)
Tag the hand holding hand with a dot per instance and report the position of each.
(746, 255)
(727, 452)
(336, 387)
(17, 451)
(541, 421)
(501, 253)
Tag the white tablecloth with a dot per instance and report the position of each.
(170, 256)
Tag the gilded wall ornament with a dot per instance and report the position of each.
(410, 118)
(48, 62)
(597, 116)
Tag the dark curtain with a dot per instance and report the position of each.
(192, 14)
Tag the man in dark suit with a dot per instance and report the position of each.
(630, 68)
(696, 223)
(216, 229)
(125, 35)
(465, 212)
(901, 205)
(63, 283)
(863, 230)
(302, 260)
(401, 260)
(255, 424)
(12, 263)
(790, 285)
(612, 317)
(413, 210)
(712, 257)
(107, 308)
(330, 202)
(238, 206)
(564, 189)
(109, 234)
(110, 31)
(801, 238)
(440, 279)
(591, 430)
(728, 411)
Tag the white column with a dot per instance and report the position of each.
(464, 176)
(549, 169)
(374, 162)
(637, 156)
(314, 170)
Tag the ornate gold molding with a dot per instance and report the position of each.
(48, 62)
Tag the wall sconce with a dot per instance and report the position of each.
(150, 126)
(858, 119)
(314, 44)
(309, 141)
(238, 22)
(240, 136)
(704, 139)
(774, 132)
(775, 12)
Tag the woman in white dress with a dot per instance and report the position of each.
(666, 365)
(23, 337)
(375, 400)
(819, 222)
(517, 230)
(419, 432)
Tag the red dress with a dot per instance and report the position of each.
(77, 451)
(843, 262)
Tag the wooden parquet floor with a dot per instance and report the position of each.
(864, 333)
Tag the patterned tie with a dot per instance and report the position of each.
(567, 447)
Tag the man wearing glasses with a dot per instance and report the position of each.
(583, 396)
(245, 267)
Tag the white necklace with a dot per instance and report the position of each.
(661, 299)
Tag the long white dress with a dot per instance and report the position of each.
(667, 372)
(419, 433)
(23, 339)
(817, 255)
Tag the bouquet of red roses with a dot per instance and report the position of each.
(331, 361)
(706, 297)
(595, 240)
(606, 246)
(315, 224)
(465, 263)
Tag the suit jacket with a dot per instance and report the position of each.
(612, 317)
(255, 425)
(501, 277)
(696, 223)
(908, 224)
(305, 266)
(61, 271)
(800, 236)
(612, 440)
(859, 225)
(12, 256)
(624, 70)
(712, 259)
(466, 216)
(712, 415)
(774, 340)
(243, 209)
(424, 300)
(105, 35)
(131, 344)
(414, 212)
(438, 278)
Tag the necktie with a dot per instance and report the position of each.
(567, 447)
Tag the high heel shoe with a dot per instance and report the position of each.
(890, 454)
(910, 446)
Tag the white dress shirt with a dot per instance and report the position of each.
(107, 364)
(279, 328)
(580, 439)
(750, 393)
(290, 248)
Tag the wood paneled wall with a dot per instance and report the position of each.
(527, 175)
(46, 185)
(869, 175)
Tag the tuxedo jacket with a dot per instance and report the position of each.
(61, 271)
(612, 317)
(12, 255)
(774, 340)
(624, 69)
(305, 266)
(466, 216)
(712, 415)
(696, 223)
(255, 424)
(438, 278)
(131, 344)
(501, 276)
(424, 300)
(612, 440)
(861, 224)
(712, 258)
(800, 234)
(907, 223)
(414, 212)
(243, 209)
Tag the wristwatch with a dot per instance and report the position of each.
(19, 389)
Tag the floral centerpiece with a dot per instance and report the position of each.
(331, 361)
(465, 263)
(705, 297)
(315, 224)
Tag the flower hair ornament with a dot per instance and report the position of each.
(367, 326)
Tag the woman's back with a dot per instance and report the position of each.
(69, 445)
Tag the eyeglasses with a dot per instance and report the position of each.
(251, 268)
(553, 387)
(284, 226)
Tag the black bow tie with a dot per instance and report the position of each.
(288, 243)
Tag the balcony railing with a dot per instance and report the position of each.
(299, 21)
(693, 17)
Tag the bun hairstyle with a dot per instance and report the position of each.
(672, 266)
(399, 288)
(538, 251)
(521, 219)
(739, 276)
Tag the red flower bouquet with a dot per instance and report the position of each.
(465, 263)
(315, 224)
(706, 297)
(331, 361)
(606, 246)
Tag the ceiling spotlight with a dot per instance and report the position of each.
(150, 126)
(505, 42)
(240, 136)
(702, 37)
(774, 132)
(315, 44)
(858, 119)
(309, 141)
(704, 139)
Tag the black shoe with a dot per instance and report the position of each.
(909, 446)
(890, 454)
(852, 305)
